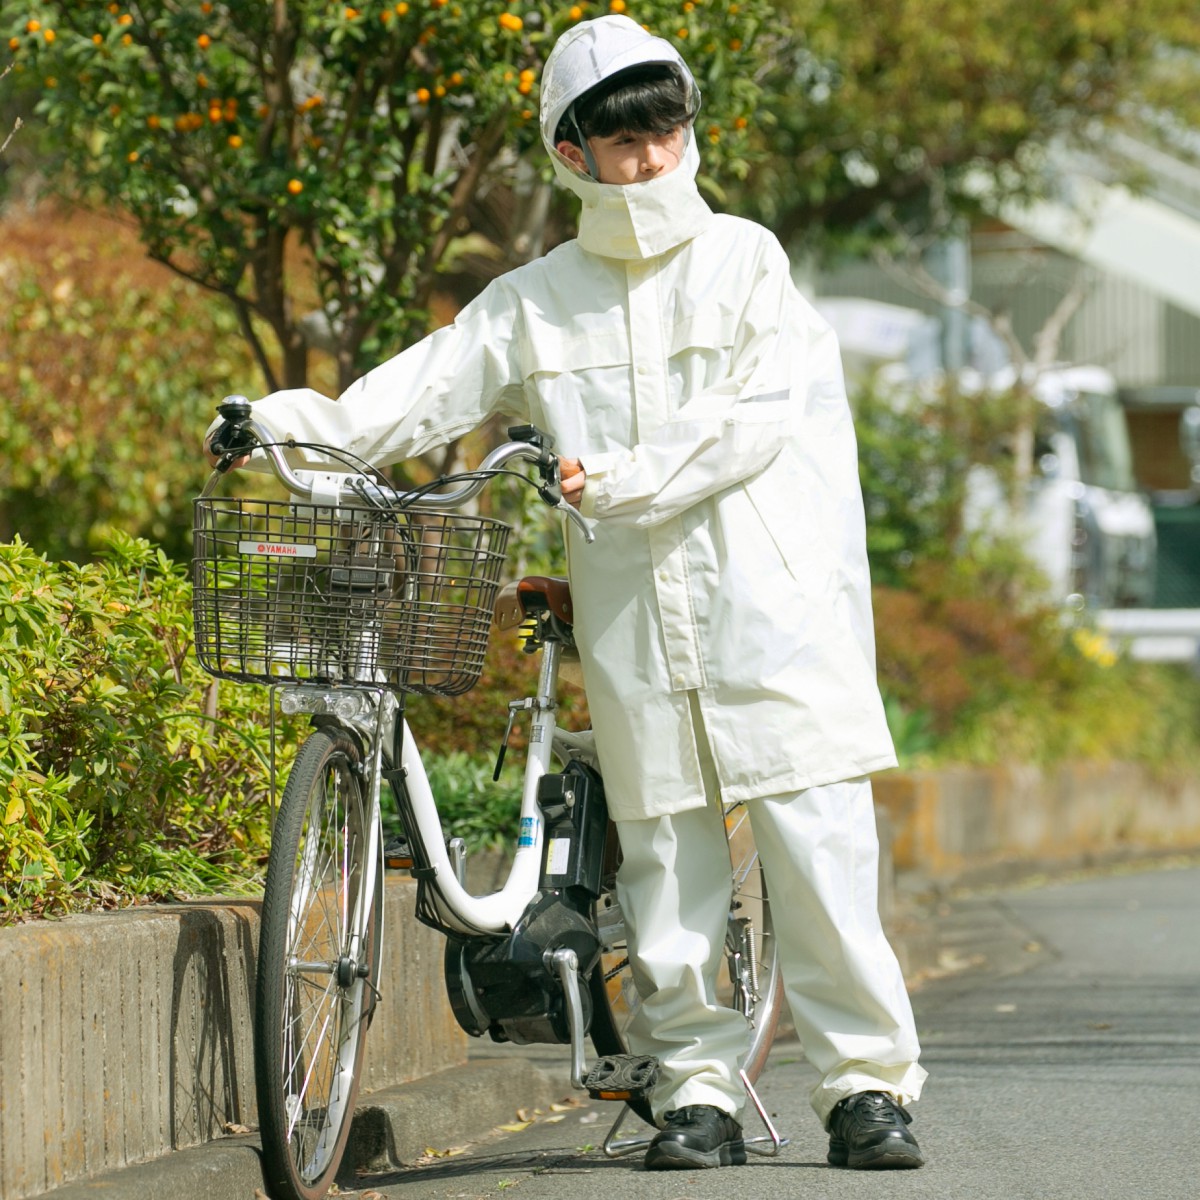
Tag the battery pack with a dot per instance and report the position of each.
(576, 825)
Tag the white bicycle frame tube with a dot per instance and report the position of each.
(499, 911)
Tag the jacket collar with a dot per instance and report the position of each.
(638, 220)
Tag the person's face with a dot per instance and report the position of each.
(630, 157)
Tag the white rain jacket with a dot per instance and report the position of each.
(668, 350)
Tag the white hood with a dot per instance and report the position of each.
(636, 220)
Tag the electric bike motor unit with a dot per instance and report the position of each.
(505, 986)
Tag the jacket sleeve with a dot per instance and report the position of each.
(730, 432)
(435, 391)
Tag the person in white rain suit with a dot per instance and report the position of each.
(723, 612)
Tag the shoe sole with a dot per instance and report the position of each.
(671, 1156)
(879, 1158)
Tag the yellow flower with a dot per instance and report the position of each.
(525, 87)
(49, 35)
(423, 95)
(401, 9)
(204, 41)
(527, 75)
(511, 22)
(235, 141)
(132, 156)
(124, 19)
(575, 12)
(735, 43)
(456, 79)
(681, 33)
(617, 6)
(439, 91)
(740, 122)
(154, 121)
(1094, 646)
(127, 39)
(14, 43)
(32, 26)
(98, 38)
(295, 187)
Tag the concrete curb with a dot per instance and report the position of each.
(398, 1125)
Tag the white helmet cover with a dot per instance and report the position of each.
(594, 51)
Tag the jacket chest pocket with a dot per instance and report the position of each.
(577, 382)
(700, 352)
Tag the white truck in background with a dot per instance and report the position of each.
(1084, 521)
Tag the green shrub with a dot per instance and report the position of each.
(120, 775)
(110, 369)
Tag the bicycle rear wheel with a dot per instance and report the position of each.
(749, 980)
(318, 948)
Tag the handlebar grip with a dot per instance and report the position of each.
(231, 438)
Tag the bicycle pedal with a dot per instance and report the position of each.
(622, 1076)
(397, 855)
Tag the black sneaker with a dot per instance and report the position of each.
(696, 1136)
(870, 1131)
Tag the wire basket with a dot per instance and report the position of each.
(287, 593)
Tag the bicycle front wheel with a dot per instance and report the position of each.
(749, 979)
(316, 964)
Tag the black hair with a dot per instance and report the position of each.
(649, 98)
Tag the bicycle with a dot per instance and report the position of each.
(345, 599)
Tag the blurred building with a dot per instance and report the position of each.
(1133, 251)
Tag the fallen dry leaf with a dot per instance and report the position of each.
(515, 1127)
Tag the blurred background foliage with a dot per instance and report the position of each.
(317, 206)
(110, 367)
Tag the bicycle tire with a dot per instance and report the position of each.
(614, 995)
(316, 970)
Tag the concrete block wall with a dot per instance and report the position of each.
(963, 825)
(125, 1036)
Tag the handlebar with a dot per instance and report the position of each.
(242, 433)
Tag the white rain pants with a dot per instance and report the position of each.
(820, 851)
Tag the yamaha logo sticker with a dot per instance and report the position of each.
(278, 549)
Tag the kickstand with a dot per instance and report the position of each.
(768, 1146)
(758, 1145)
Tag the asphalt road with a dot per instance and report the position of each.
(1064, 1064)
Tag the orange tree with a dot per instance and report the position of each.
(316, 162)
(886, 110)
